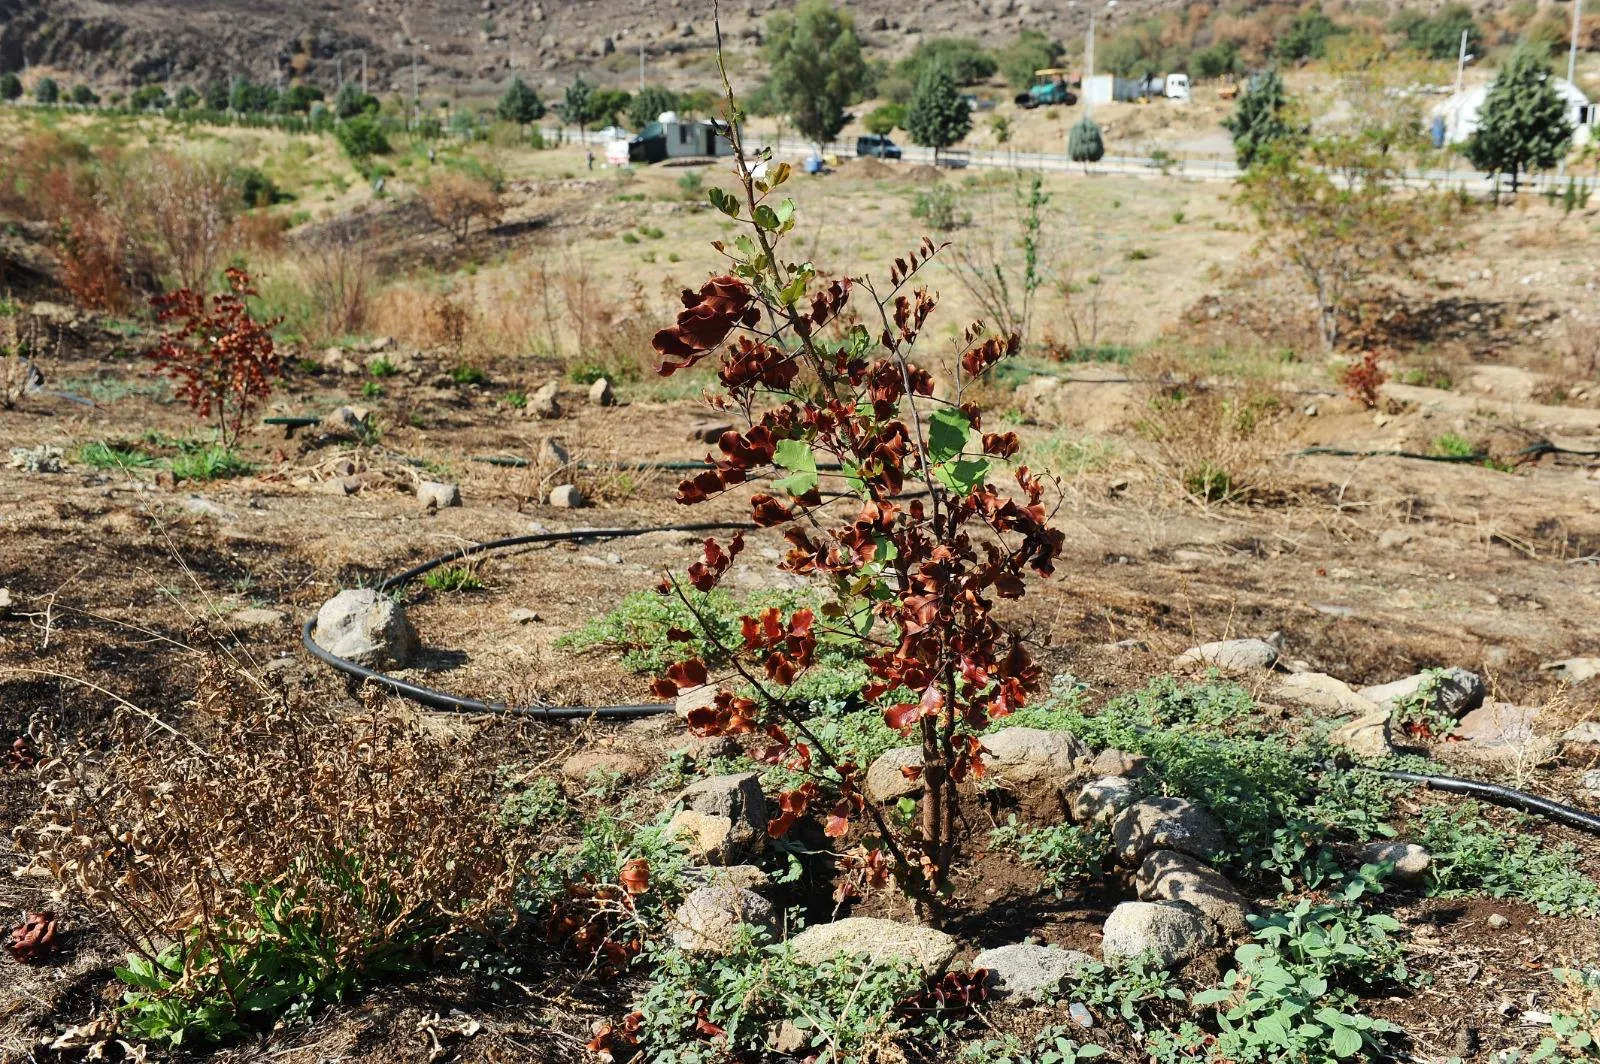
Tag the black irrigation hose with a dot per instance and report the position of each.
(510, 461)
(442, 700)
(1533, 450)
(1505, 796)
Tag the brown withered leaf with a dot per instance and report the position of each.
(34, 937)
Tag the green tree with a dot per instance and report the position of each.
(46, 91)
(938, 116)
(10, 86)
(574, 105)
(351, 101)
(605, 105)
(186, 97)
(1260, 119)
(1307, 36)
(649, 104)
(148, 98)
(1438, 35)
(1523, 125)
(520, 104)
(217, 95)
(1031, 51)
(84, 96)
(1084, 143)
(361, 137)
(246, 97)
(1215, 60)
(300, 97)
(885, 120)
(965, 59)
(816, 65)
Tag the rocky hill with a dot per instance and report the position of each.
(463, 46)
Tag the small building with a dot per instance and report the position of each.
(669, 138)
(1457, 118)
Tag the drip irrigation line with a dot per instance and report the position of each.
(1531, 451)
(1521, 801)
(443, 700)
(510, 461)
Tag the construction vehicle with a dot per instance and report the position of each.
(1229, 89)
(1051, 87)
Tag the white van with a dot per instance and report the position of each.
(1177, 86)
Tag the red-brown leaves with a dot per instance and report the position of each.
(708, 316)
(34, 937)
(611, 1042)
(705, 573)
(20, 756)
(750, 363)
(767, 510)
(1001, 445)
(223, 359)
(635, 876)
(727, 715)
(952, 996)
(681, 676)
(793, 805)
(786, 650)
(976, 360)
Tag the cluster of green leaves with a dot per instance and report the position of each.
(1067, 854)
(276, 968)
(1421, 712)
(1138, 992)
(539, 806)
(940, 207)
(1293, 993)
(114, 456)
(1473, 855)
(209, 461)
(453, 578)
(609, 841)
(1574, 1027)
(1052, 1045)
(844, 1008)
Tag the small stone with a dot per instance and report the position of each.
(567, 497)
(692, 698)
(1502, 733)
(885, 781)
(1318, 690)
(789, 1040)
(255, 617)
(1587, 732)
(1030, 972)
(437, 495)
(366, 628)
(1366, 736)
(1115, 762)
(347, 422)
(1166, 824)
(1102, 799)
(1591, 783)
(1079, 1013)
(1169, 876)
(1411, 862)
(1032, 758)
(523, 615)
(747, 876)
(1455, 691)
(709, 431)
(543, 403)
(711, 918)
(736, 798)
(607, 763)
(553, 455)
(600, 393)
(1498, 920)
(1393, 539)
(1170, 930)
(877, 941)
(1574, 670)
(1231, 657)
(5, 598)
(706, 836)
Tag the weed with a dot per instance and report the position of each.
(452, 578)
(209, 462)
(1473, 855)
(1068, 855)
(1451, 445)
(371, 390)
(538, 807)
(651, 231)
(939, 207)
(1137, 991)
(515, 400)
(1362, 380)
(469, 375)
(1140, 254)
(1068, 458)
(111, 456)
(1053, 1045)
(630, 237)
(381, 368)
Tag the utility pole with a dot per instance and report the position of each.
(641, 62)
(363, 72)
(1461, 61)
(338, 66)
(1088, 66)
(1572, 51)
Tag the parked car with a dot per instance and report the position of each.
(876, 146)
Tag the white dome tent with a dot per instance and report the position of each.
(1460, 114)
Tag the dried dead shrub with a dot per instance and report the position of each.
(340, 273)
(271, 857)
(23, 340)
(457, 202)
(1214, 441)
(189, 208)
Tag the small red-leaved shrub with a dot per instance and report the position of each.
(223, 359)
(1363, 379)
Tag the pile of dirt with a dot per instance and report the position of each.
(923, 174)
(868, 169)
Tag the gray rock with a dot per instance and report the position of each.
(736, 798)
(1165, 824)
(543, 403)
(885, 781)
(258, 618)
(1393, 538)
(1032, 758)
(1102, 799)
(1172, 931)
(438, 495)
(1585, 732)
(709, 431)
(600, 393)
(1502, 733)
(522, 615)
(1030, 972)
(1574, 670)
(1455, 692)
(1317, 690)
(710, 918)
(1366, 736)
(876, 940)
(553, 454)
(1411, 862)
(41, 459)
(1231, 657)
(1115, 762)
(747, 876)
(692, 698)
(1166, 875)
(567, 497)
(367, 628)
(605, 762)
(1591, 783)
(706, 836)
(347, 423)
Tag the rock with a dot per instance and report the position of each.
(1499, 920)
(5, 598)
(709, 431)
(1165, 824)
(1318, 690)
(740, 875)
(523, 615)
(789, 1040)
(1501, 733)
(600, 393)
(692, 698)
(1030, 972)
(885, 781)
(338, 360)
(1032, 758)
(258, 618)
(585, 763)
(736, 798)
(710, 918)
(1393, 539)
(1115, 762)
(1231, 657)
(543, 403)
(367, 628)
(553, 455)
(877, 940)
(1411, 862)
(1172, 931)
(1079, 1013)
(1456, 691)
(347, 423)
(1366, 736)
(41, 459)
(567, 497)
(1574, 670)
(707, 837)
(605, 47)
(1102, 799)
(437, 495)
(1166, 875)
(1591, 783)
(204, 507)
(1585, 732)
